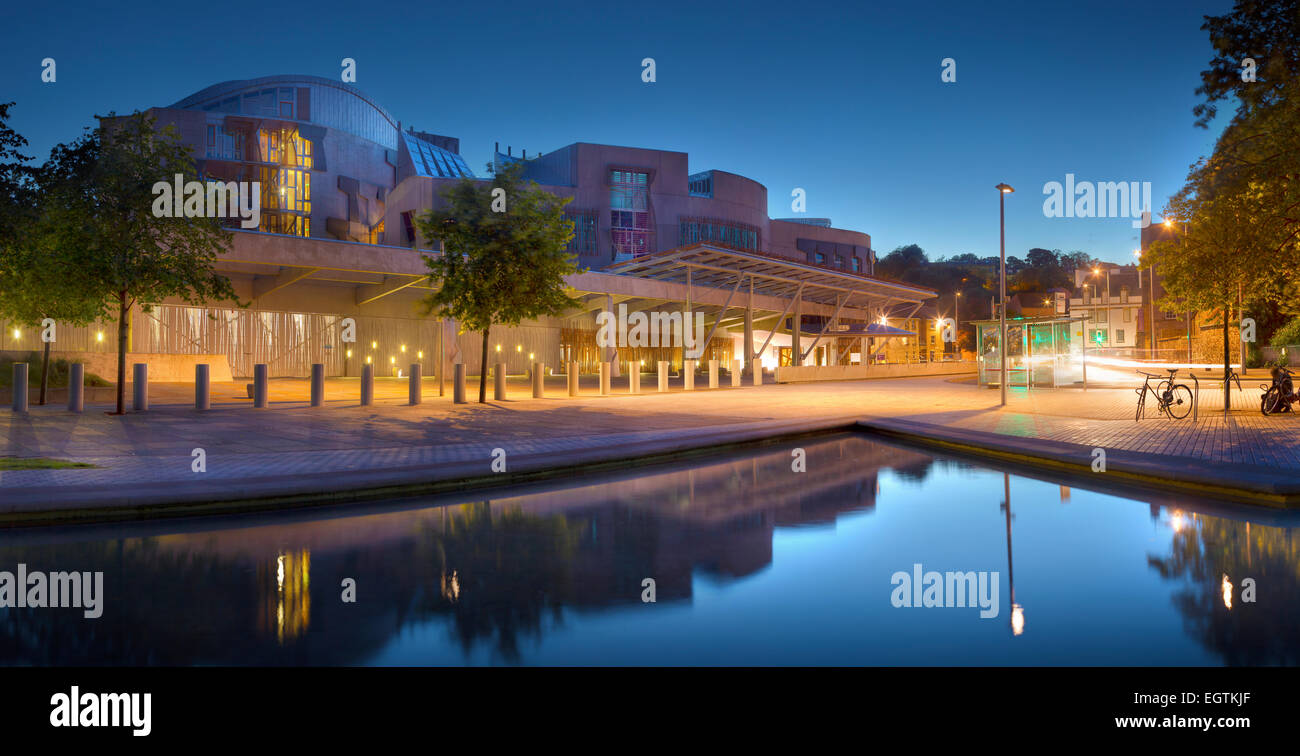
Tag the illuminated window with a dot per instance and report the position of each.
(629, 200)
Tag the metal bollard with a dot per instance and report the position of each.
(663, 375)
(20, 387)
(367, 385)
(458, 387)
(140, 387)
(202, 387)
(735, 373)
(539, 380)
(688, 374)
(76, 387)
(713, 374)
(604, 379)
(416, 392)
(317, 384)
(573, 379)
(259, 386)
(633, 377)
(499, 386)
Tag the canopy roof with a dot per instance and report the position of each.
(711, 265)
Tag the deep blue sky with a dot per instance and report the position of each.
(843, 100)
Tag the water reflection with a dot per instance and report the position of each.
(753, 564)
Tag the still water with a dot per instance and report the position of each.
(752, 563)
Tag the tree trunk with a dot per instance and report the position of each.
(1227, 357)
(45, 373)
(121, 352)
(482, 377)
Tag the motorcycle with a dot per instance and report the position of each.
(1279, 396)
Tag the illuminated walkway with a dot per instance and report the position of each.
(290, 449)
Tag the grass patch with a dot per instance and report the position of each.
(59, 370)
(38, 463)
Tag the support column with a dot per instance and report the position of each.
(748, 356)
(796, 327)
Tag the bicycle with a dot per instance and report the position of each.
(1172, 399)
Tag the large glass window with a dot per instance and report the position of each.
(224, 146)
(584, 233)
(725, 233)
(629, 201)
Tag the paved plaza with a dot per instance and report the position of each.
(291, 448)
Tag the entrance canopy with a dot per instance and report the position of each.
(705, 264)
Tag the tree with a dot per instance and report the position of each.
(1267, 32)
(504, 255)
(896, 264)
(133, 256)
(43, 279)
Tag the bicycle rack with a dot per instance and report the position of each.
(1196, 397)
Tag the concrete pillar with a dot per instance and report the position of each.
(796, 329)
(77, 387)
(747, 355)
(663, 375)
(573, 379)
(202, 387)
(458, 383)
(633, 377)
(415, 393)
(688, 374)
(140, 386)
(367, 385)
(499, 382)
(604, 379)
(539, 380)
(317, 384)
(260, 388)
(735, 372)
(713, 374)
(20, 387)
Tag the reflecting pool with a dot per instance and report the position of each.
(748, 561)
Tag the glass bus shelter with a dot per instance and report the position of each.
(1042, 352)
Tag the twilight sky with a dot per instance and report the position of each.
(843, 100)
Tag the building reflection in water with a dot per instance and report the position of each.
(498, 577)
(284, 607)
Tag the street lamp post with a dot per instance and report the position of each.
(1003, 191)
(956, 322)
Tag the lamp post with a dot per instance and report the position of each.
(956, 322)
(1003, 191)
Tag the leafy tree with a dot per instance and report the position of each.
(41, 277)
(498, 265)
(105, 207)
(1266, 31)
(896, 264)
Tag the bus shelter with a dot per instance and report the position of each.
(1042, 352)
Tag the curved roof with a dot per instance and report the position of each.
(227, 88)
